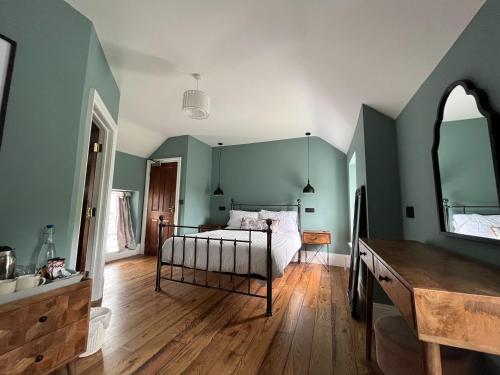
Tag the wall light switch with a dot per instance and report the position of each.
(310, 209)
(410, 211)
(222, 208)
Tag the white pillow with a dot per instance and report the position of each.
(235, 217)
(288, 220)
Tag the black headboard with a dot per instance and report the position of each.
(271, 207)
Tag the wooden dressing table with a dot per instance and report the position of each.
(446, 299)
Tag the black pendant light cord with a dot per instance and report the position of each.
(220, 157)
(218, 191)
(308, 156)
(308, 189)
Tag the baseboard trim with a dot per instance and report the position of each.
(336, 260)
(110, 257)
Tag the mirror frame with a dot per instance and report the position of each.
(493, 119)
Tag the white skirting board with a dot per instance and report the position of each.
(109, 257)
(337, 260)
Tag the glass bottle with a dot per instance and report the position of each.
(48, 249)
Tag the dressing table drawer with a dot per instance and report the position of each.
(398, 293)
(367, 257)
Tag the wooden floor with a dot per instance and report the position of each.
(194, 330)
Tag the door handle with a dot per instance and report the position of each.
(91, 212)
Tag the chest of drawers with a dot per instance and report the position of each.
(41, 333)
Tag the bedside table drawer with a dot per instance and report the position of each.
(316, 238)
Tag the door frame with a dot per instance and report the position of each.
(98, 113)
(177, 160)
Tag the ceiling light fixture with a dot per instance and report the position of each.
(196, 103)
(219, 191)
(308, 189)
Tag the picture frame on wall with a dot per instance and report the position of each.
(7, 54)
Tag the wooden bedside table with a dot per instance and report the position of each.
(209, 227)
(314, 238)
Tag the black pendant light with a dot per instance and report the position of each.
(219, 191)
(308, 188)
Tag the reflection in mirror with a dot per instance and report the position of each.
(469, 192)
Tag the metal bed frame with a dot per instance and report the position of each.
(249, 276)
(447, 208)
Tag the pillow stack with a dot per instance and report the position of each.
(283, 221)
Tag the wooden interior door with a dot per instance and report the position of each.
(88, 211)
(161, 201)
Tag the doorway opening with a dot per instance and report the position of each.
(161, 198)
(90, 194)
(352, 190)
(91, 207)
(121, 240)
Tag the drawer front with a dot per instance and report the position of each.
(367, 257)
(316, 238)
(398, 293)
(27, 323)
(48, 352)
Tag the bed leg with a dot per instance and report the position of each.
(158, 255)
(269, 309)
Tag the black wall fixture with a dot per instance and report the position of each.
(218, 191)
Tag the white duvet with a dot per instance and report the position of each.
(477, 225)
(283, 248)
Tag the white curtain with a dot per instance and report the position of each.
(125, 232)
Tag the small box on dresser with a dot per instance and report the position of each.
(41, 333)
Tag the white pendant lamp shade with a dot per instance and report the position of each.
(196, 103)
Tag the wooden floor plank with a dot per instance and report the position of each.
(321, 361)
(193, 330)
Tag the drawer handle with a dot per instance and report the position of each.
(43, 319)
(39, 358)
(362, 253)
(383, 278)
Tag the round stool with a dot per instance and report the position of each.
(400, 352)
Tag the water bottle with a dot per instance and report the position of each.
(48, 250)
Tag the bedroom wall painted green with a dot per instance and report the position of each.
(466, 164)
(58, 60)
(275, 172)
(374, 143)
(474, 56)
(198, 174)
(176, 147)
(195, 176)
(130, 174)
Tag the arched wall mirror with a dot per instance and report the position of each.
(465, 159)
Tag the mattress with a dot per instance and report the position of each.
(487, 226)
(283, 248)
